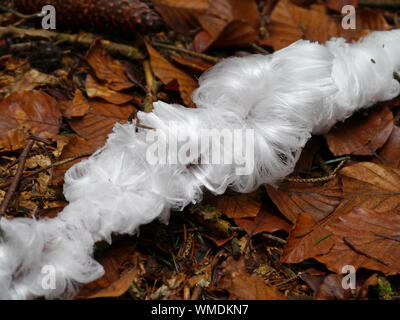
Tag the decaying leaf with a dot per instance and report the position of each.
(243, 286)
(166, 72)
(35, 110)
(372, 186)
(78, 107)
(98, 122)
(390, 152)
(317, 200)
(14, 139)
(106, 68)
(267, 220)
(290, 23)
(307, 240)
(239, 205)
(75, 147)
(181, 15)
(121, 266)
(361, 135)
(95, 89)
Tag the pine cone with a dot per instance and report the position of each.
(119, 16)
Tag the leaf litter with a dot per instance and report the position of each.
(284, 242)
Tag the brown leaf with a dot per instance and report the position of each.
(94, 89)
(365, 239)
(307, 240)
(14, 139)
(290, 23)
(31, 80)
(231, 22)
(267, 220)
(242, 286)
(76, 146)
(317, 200)
(75, 108)
(237, 206)
(361, 135)
(166, 72)
(107, 69)
(390, 152)
(367, 20)
(35, 110)
(372, 186)
(193, 63)
(365, 185)
(332, 289)
(181, 15)
(236, 33)
(337, 5)
(121, 266)
(99, 121)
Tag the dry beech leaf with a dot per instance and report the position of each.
(317, 200)
(121, 266)
(332, 289)
(367, 20)
(166, 72)
(78, 107)
(290, 23)
(230, 22)
(390, 152)
(242, 286)
(192, 63)
(337, 5)
(365, 185)
(307, 240)
(99, 121)
(35, 110)
(14, 139)
(267, 220)
(75, 147)
(372, 186)
(361, 135)
(94, 89)
(181, 15)
(107, 69)
(365, 239)
(236, 33)
(31, 80)
(237, 206)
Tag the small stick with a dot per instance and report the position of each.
(84, 39)
(192, 53)
(21, 15)
(196, 293)
(55, 164)
(17, 177)
(259, 49)
(276, 239)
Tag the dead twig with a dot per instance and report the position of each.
(55, 164)
(17, 178)
(21, 15)
(273, 238)
(187, 51)
(84, 39)
(151, 87)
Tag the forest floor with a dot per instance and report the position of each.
(62, 91)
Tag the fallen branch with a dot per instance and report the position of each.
(84, 39)
(17, 178)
